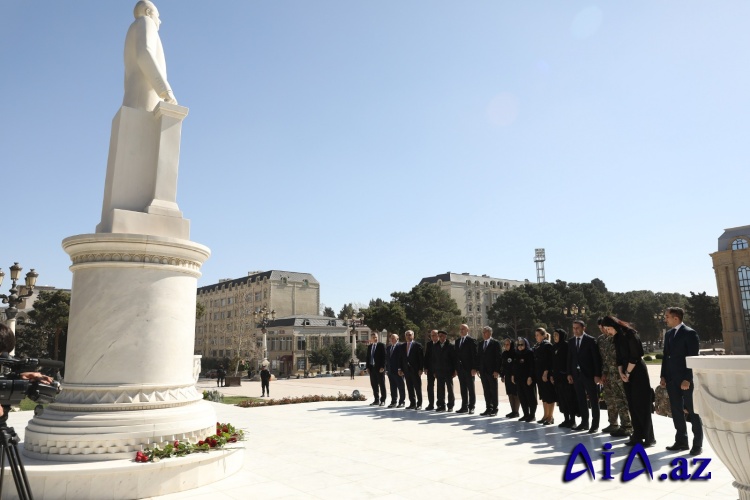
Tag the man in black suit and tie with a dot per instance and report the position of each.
(490, 362)
(430, 364)
(393, 363)
(376, 369)
(412, 367)
(585, 372)
(680, 342)
(445, 370)
(466, 369)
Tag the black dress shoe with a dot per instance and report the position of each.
(565, 423)
(524, 418)
(650, 444)
(400, 405)
(419, 407)
(511, 415)
(610, 428)
(593, 430)
(450, 408)
(439, 408)
(382, 403)
(581, 427)
(374, 403)
(631, 442)
(678, 447)
(430, 408)
(462, 410)
(696, 450)
(493, 413)
(410, 407)
(471, 411)
(485, 413)
(392, 405)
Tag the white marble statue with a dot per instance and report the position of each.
(145, 67)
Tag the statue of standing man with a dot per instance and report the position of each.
(145, 68)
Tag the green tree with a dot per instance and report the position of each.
(704, 314)
(328, 311)
(319, 357)
(46, 334)
(390, 316)
(347, 311)
(341, 352)
(200, 310)
(428, 307)
(361, 351)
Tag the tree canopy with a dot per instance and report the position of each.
(46, 334)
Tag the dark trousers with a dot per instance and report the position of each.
(489, 385)
(468, 393)
(264, 387)
(414, 386)
(586, 386)
(566, 396)
(681, 400)
(377, 382)
(638, 393)
(430, 388)
(397, 387)
(445, 382)
(220, 381)
(527, 397)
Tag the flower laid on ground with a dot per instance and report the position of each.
(225, 433)
(215, 396)
(302, 399)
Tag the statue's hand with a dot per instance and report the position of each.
(168, 96)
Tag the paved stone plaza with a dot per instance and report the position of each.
(351, 450)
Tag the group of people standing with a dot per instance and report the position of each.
(563, 371)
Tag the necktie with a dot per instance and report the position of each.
(460, 344)
(485, 343)
(408, 348)
(578, 344)
(372, 355)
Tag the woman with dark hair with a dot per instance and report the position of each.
(523, 377)
(508, 356)
(543, 358)
(633, 372)
(565, 391)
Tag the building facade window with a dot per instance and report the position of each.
(739, 244)
(744, 283)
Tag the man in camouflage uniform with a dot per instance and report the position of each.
(614, 392)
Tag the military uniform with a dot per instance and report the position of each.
(614, 392)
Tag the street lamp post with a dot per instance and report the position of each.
(262, 319)
(574, 312)
(353, 322)
(15, 297)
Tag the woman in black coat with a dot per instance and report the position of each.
(565, 391)
(634, 375)
(506, 376)
(543, 359)
(523, 377)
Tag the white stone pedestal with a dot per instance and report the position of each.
(129, 375)
(722, 399)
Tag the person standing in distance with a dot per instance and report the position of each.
(680, 342)
(466, 369)
(430, 363)
(585, 372)
(612, 386)
(445, 370)
(490, 364)
(412, 368)
(265, 381)
(376, 369)
(393, 362)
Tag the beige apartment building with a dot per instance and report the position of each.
(228, 330)
(473, 294)
(732, 267)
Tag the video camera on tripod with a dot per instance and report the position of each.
(13, 390)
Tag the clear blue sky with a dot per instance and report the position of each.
(375, 143)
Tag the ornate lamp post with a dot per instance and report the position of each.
(262, 318)
(15, 298)
(574, 312)
(353, 322)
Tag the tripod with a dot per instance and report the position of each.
(9, 444)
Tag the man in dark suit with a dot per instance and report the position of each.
(466, 369)
(412, 367)
(490, 362)
(445, 370)
(393, 362)
(585, 372)
(680, 342)
(430, 363)
(376, 369)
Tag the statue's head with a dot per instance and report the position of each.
(145, 8)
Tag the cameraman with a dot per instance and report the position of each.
(7, 344)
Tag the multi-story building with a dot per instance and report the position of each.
(473, 294)
(227, 328)
(732, 268)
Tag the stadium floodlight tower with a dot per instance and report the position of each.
(539, 259)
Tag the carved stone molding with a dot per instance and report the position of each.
(140, 258)
(108, 398)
